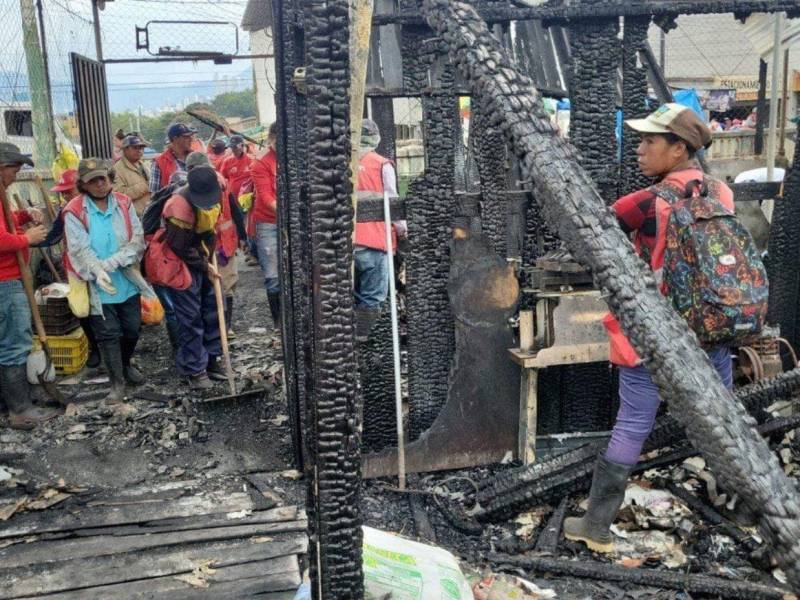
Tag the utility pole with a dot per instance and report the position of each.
(41, 109)
(774, 99)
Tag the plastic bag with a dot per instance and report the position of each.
(78, 296)
(152, 311)
(408, 570)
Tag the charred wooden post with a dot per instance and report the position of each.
(714, 421)
(332, 439)
(691, 583)
(634, 101)
(782, 264)
(429, 207)
(294, 250)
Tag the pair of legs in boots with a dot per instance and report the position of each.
(371, 274)
(267, 251)
(15, 345)
(117, 333)
(638, 405)
(199, 346)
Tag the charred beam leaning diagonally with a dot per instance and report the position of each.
(714, 421)
(334, 478)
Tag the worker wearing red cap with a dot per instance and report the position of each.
(66, 186)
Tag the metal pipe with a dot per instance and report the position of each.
(784, 105)
(98, 42)
(398, 394)
(773, 103)
(114, 61)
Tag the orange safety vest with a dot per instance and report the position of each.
(370, 179)
(167, 165)
(621, 352)
(75, 207)
(226, 229)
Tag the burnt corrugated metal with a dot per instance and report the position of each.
(91, 106)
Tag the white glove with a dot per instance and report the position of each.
(104, 283)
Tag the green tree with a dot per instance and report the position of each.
(235, 104)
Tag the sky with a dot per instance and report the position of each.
(68, 28)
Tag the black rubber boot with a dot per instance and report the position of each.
(14, 388)
(94, 353)
(173, 328)
(112, 358)
(215, 370)
(275, 308)
(229, 316)
(132, 375)
(608, 491)
(365, 319)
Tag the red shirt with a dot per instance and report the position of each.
(10, 243)
(216, 160)
(236, 171)
(264, 173)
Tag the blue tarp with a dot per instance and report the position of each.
(690, 98)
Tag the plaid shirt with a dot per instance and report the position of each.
(155, 174)
(636, 212)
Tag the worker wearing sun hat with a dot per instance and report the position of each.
(671, 136)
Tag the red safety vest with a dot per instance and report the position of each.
(226, 228)
(75, 207)
(370, 179)
(621, 352)
(167, 165)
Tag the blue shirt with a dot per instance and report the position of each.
(103, 241)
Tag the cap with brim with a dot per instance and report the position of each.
(66, 182)
(196, 159)
(204, 190)
(10, 155)
(133, 141)
(235, 140)
(90, 168)
(676, 119)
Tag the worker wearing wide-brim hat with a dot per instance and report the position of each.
(15, 314)
(670, 138)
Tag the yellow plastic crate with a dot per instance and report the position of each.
(69, 352)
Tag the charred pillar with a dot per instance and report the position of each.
(430, 321)
(783, 265)
(634, 101)
(294, 250)
(595, 58)
(488, 150)
(332, 440)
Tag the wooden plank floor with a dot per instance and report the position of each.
(175, 541)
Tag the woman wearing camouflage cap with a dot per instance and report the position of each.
(105, 243)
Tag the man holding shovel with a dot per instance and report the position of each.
(15, 314)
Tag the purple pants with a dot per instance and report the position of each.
(638, 405)
(198, 332)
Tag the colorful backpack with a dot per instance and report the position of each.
(713, 272)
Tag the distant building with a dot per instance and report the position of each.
(257, 20)
(712, 52)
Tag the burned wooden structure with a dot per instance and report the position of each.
(535, 193)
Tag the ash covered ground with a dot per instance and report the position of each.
(164, 434)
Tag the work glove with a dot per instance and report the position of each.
(104, 283)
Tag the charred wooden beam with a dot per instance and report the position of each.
(752, 191)
(547, 543)
(558, 12)
(714, 421)
(371, 209)
(709, 514)
(688, 582)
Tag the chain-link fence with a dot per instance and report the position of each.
(713, 60)
(145, 96)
